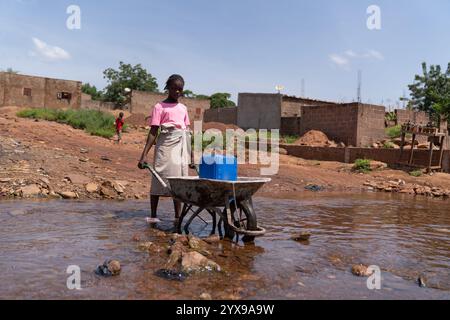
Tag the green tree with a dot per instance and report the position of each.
(221, 100)
(430, 92)
(127, 76)
(189, 94)
(202, 97)
(10, 70)
(92, 91)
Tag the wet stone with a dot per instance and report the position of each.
(301, 237)
(109, 268)
(171, 275)
(361, 270)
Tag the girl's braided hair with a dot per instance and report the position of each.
(173, 78)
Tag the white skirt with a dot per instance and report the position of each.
(172, 156)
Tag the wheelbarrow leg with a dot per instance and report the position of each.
(214, 222)
(227, 218)
(187, 225)
(184, 212)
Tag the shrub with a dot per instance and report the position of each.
(362, 165)
(391, 116)
(416, 173)
(94, 122)
(289, 139)
(389, 145)
(394, 132)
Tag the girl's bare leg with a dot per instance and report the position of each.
(154, 201)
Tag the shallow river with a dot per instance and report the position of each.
(405, 237)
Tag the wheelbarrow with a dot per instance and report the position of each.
(230, 201)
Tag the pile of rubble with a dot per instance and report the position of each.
(186, 254)
(400, 186)
(316, 138)
(72, 187)
(397, 143)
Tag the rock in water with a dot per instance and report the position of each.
(195, 262)
(314, 188)
(114, 267)
(145, 246)
(171, 275)
(422, 282)
(205, 296)
(198, 245)
(361, 270)
(212, 239)
(176, 252)
(109, 268)
(68, 195)
(301, 237)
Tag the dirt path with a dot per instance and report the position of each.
(47, 159)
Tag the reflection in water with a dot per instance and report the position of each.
(406, 237)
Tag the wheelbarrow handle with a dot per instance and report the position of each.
(156, 175)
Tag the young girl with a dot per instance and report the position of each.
(173, 147)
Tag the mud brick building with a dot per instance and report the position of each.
(143, 102)
(38, 92)
(355, 124)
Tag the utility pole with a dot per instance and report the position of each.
(303, 88)
(359, 86)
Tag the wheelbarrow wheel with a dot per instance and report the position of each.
(244, 217)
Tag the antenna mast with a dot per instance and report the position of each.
(359, 86)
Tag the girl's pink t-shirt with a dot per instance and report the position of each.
(170, 113)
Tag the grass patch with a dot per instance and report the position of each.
(362, 166)
(388, 145)
(394, 132)
(94, 122)
(416, 173)
(289, 139)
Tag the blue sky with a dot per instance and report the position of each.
(234, 45)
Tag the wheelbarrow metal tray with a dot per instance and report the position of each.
(207, 193)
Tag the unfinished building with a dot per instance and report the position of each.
(143, 103)
(38, 92)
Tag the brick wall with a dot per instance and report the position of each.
(54, 86)
(88, 103)
(314, 153)
(371, 127)
(222, 115)
(291, 126)
(143, 102)
(291, 107)
(338, 122)
(259, 111)
(404, 116)
(350, 155)
(44, 92)
(14, 91)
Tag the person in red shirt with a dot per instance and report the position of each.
(119, 126)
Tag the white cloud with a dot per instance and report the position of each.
(351, 53)
(374, 54)
(50, 52)
(345, 59)
(339, 60)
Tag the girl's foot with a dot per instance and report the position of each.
(153, 220)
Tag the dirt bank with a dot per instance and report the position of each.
(47, 159)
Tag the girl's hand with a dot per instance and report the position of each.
(142, 163)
